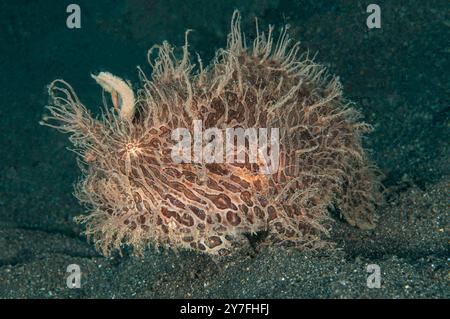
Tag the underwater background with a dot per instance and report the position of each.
(397, 75)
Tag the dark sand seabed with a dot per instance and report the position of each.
(397, 75)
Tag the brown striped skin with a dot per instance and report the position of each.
(137, 195)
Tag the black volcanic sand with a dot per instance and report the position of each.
(397, 75)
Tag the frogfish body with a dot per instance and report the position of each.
(137, 195)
